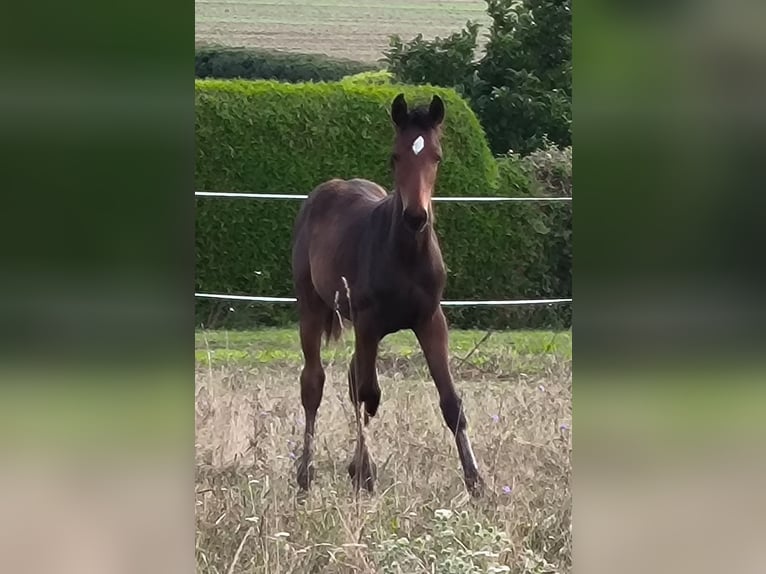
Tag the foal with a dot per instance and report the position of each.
(386, 248)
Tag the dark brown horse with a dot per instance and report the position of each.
(385, 247)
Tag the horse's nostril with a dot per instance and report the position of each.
(415, 221)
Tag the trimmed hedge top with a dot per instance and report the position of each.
(271, 137)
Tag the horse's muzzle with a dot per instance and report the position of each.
(415, 220)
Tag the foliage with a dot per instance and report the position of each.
(551, 169)
(257, 63)
(524, 87)
(451, 543)
(269, 137)
(282, 138)
(534, 258)
(521, 88)
(441, 61)
(376, 77)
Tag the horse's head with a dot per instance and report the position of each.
(415, 158)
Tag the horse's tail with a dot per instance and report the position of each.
(333, 327)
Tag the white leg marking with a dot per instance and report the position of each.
(465, 446)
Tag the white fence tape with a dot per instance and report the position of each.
(444, 303)
(304, 196)
(500, 302)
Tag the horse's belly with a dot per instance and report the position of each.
(331, 257)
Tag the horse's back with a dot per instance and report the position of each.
(327, 230)
(371, 189)
(339, 201)
(341, 195)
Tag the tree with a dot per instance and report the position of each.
(445, 62)
(521, 87)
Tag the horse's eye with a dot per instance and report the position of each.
(438, 159)
(394, 157)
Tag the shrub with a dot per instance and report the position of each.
(551, 169)
(521, 87)
(531, 247)
(442, 61)
(540, 242)
(269, 137)
(257, 63)
(376, 78)
(451, 543)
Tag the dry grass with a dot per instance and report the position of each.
(517, 395)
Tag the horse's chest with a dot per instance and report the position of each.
(401, 301)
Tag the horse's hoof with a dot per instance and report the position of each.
(475, 486)
(305, 475)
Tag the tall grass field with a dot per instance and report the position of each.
(249, 427)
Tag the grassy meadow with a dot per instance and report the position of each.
(249, 423)
(358, 30)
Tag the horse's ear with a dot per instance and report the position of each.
(399, 111)
(436, 110)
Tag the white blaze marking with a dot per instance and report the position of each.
(418, 145)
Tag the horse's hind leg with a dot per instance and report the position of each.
(312, 385)
(363, 388)
(432, 335)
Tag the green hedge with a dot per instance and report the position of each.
(259, 63)
(373, 78)
(269, 137)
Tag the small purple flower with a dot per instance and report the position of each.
(495, 418)
(564, 427)
(292, 455)
(542, 388)
(264, 413)
(507, 489)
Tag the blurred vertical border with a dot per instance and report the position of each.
(96, 289)
(669, 401)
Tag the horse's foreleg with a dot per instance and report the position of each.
(363, 388)
(312, 385)
(433, 337)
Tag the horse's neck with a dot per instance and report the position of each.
(406, 245)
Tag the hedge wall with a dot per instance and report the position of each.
(287, 138)
(258, 63)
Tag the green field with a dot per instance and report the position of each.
(249, 423)
(357, 30)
